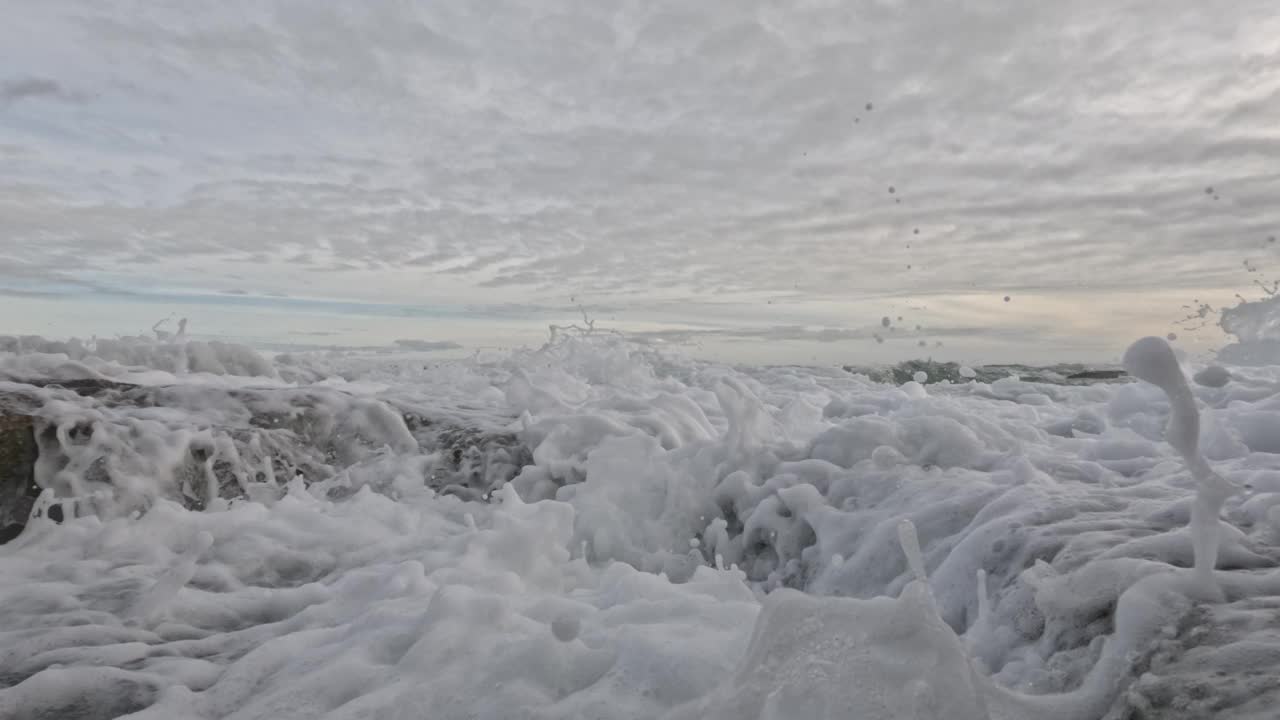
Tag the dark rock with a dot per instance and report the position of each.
(84, 387)
(904, 372)
(1062, 374)
(260, 440)
(1098, 375)
(477, 462)
(18, 489)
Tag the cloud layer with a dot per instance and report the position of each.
(639, 153)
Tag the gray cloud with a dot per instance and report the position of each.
(518, 278)
(33, 88)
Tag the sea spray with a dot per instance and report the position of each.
(1151, 359)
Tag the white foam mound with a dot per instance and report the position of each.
(829, 658)
(878, 659)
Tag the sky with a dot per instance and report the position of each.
(760, 181)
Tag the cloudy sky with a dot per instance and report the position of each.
(765, 179)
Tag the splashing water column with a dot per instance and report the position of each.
(1151, 359)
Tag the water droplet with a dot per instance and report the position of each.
(892, 190)
(885, 321)
(1208, 190)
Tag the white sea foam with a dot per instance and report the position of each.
(1001, 550)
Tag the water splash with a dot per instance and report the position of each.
(1151, 359)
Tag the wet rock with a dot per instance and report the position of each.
(476, 462)
(935, 372)
(1062, 374)
(18, 489)
(242, 444)
(905, 372)
(84, 387)
(1098, 375)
